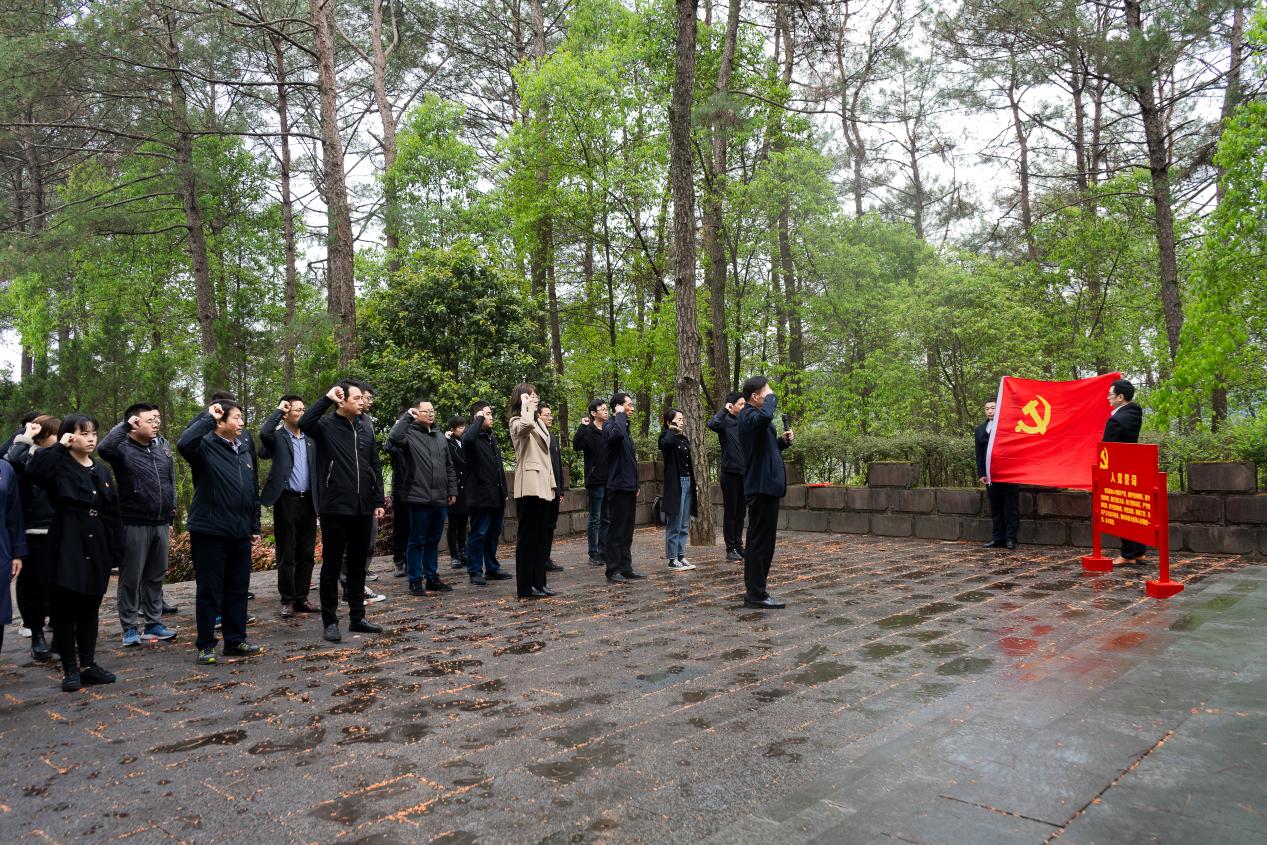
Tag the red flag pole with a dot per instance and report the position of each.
(1163, 587)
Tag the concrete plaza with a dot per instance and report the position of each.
(912, 691)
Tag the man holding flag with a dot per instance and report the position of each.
(1004, 497)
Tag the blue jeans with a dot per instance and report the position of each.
(422, 553)
(596, 527)
(679, 527)
(481, 543)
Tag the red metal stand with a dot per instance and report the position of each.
(1096, 562)
(1163, 587)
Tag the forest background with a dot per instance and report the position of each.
(664, 196)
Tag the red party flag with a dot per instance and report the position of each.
(1045, 432)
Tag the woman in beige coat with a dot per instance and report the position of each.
(533, 490)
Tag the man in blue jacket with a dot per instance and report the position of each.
(764, 484)
(224, 524)
(622, 491)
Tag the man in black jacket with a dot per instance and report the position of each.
(428, 487)
(589, 441)
(1005, 497)
(622, 490)
(485, 488)
(291, 490)
(145, 470)
(1123, 427)
(224, 524)
(726, 423)
(350, 496)
(546, 416)
(764, 484)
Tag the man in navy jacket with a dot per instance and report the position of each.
(764, 484)
(1123, 426)
(291, 490)
(622, 491)
(726, 423)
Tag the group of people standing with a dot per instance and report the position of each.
(70, 520)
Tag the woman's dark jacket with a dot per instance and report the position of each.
(226, 481)
(349, 475)
(485, 473)
(677, 465)
(37, 508)
(85, 540)
(458, 456)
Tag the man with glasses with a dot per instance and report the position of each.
(429, 486)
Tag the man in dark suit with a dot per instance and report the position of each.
(622, 493)
(292, 494)
(1123, 427)
(1005, 497)
(545, 416)
(726, 423)
(764, 484)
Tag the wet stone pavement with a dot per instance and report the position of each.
(912, 691)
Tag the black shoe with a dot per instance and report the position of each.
(733, 555)
(400, 570)
(71, 682)
(631, 575)
(1011, 544)
(597, 561)
(478, 581)
(767, 603)
(40, 652)
(242, 650)
(416, 588)
(332, 633)
(304, 607)
(169, 609)
(551, 566)
(993, 544)
(439, 586)
(616, 579)
(94, 674)
(499, 576)
(535, 594)
(361, 626)
(548, 591)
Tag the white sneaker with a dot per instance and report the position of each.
(685, 564)
(679, 565)
(24, 632)
(372, 597)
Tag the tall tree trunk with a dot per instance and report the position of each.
(1159, 170)
(542, 248)
(340, 268)
(288, 214)
(682, 182)
(378, 64)
(1022, 143)
(711, 230)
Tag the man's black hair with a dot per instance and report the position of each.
(137, 408)
(477, 406)
(29, 416)
(1123, 388)
(618, 398)
(595, 404)
(457, 420)
(733, 396)
(753, 384)
(228, 407)
(293, 397)
(222, 396)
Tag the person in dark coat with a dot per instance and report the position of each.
(142, 462)
(764, 484)
(588, 440)
(545, 416)
(34, 581)
(678, 501)
(400, 510)
(350, 494)
(224, 525)
(622, 490)
(291, 490)
(429, 487)
(12, 546)
(1123, 426)
(457, 511)
(85, 541)
(726, 424)
(486, 490)
(1004, 497)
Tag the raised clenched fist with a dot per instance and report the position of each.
(67, 438)
(32, 429)
(133, 422)
(216, 411)
(335, 394)
(414, 413)
(284, 407)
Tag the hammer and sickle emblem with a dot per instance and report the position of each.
(1104, 459)
(1040, 420)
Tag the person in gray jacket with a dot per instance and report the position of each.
(143, 465)
(430, 485)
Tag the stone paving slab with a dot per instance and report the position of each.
(913, 690)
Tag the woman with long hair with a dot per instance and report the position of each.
(85, 541)
(534, 490)
(35, 580)
(678, 500)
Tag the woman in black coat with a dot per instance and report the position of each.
(35, 581)
(679, 502)
(85, 541)
(458, 510)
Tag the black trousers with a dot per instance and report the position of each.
(457, 536)
(553, 525)
(295, 531)
(35, 583)
(621, 506)
(1130, 549)
(732, 509)
(222, 569)
(345, 545)
(531, 543)
(763, 523)
(75, 617)
(1005, 510)
(400, 531)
